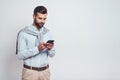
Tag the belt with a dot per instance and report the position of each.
(36, 68)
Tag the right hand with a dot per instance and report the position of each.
(41, 46)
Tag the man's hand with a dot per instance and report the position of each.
(41, 46)
(49, 45)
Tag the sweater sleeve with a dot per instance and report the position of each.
(22, 50)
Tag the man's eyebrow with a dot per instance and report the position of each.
(41, 18)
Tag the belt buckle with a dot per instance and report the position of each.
(39, 69)
(31, 67)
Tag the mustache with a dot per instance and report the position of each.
(41, 23)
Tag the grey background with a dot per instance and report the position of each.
(87, 35)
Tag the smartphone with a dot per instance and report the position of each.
(50, 41)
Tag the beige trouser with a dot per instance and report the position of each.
(28, 74)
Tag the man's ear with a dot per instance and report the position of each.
(33, 16)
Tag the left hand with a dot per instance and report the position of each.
(49, 45)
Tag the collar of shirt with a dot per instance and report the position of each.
(34, 29)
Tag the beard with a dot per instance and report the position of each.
(39, 25)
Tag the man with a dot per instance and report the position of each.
(32, 47)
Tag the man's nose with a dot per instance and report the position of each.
(43, 21)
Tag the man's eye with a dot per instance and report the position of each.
(40, 18)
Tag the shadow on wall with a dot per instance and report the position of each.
(12, 65)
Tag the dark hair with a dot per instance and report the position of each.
(40, 9)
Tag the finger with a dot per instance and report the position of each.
(42, 43)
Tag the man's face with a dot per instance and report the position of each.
(40, 19)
